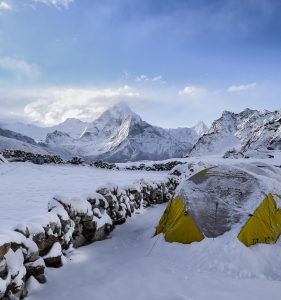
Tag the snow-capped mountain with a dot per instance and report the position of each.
(73, 127)
(188, 135)
(119, 134)
(10, 140)
(244, 131)
(265, 137)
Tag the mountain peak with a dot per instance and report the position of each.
(200, 128)
(121, 108)
(119, 112)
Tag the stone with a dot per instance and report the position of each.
(4, 248)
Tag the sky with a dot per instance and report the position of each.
(174, 62)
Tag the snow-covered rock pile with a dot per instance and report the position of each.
(168, 166)
(165, 166)
(76, 161)
(19, 260)
(22, 156)
(44, 240)
(104, 165)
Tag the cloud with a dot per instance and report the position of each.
(191, 90)
(148, 79)
(54, 105)
(19, 67)
(5, 6)
(56, 3)
(242, 87)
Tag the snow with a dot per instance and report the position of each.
(55, 251)
(133, 265)
(249, 131)
(26, 189)
(13, 144)
(119, 134)
(77, 204)
(71, 126)
(15, 237)
(102, 219)
(2, 159)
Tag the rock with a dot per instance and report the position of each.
(54, 258)
(4, 248)
(22, 156)
(76, 161)
(3, 269)
(36, 268)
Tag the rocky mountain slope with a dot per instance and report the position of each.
(73, 127)
(188, 135)
(246, 132)
(121, 135)
(10, 140)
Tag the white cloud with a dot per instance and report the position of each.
(54, 105)
(242, 87)
(5, 5)
(192, 90)
(155, 79)
(56, 3)
(19, 67)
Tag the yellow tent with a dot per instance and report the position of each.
(212, 201)
(177, 225)
(264, 226)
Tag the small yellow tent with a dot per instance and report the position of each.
(177, 225)
(264, 226)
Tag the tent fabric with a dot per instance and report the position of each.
(264, 226)
(177, 225)
(217, 198)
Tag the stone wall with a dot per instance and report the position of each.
(42, 242)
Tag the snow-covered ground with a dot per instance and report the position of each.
(26, 188)
(133, 265)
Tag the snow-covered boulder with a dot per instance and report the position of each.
(53, 258)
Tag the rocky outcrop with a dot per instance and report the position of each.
(22, 156)
(168, 166)
(42, 242)
(249, 132)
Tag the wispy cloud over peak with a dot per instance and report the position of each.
(55, 3)
(5, 5)
(19, 67)
(54, 105)
(242, 87)
(150, 79)
(192, 90)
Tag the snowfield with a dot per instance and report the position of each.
(133, 265)
(26, 188)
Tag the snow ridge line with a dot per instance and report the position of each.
(44, 241)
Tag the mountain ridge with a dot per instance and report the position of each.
(244, 133)
(119, 134)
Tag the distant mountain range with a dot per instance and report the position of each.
(250, 133)
(118, 135)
